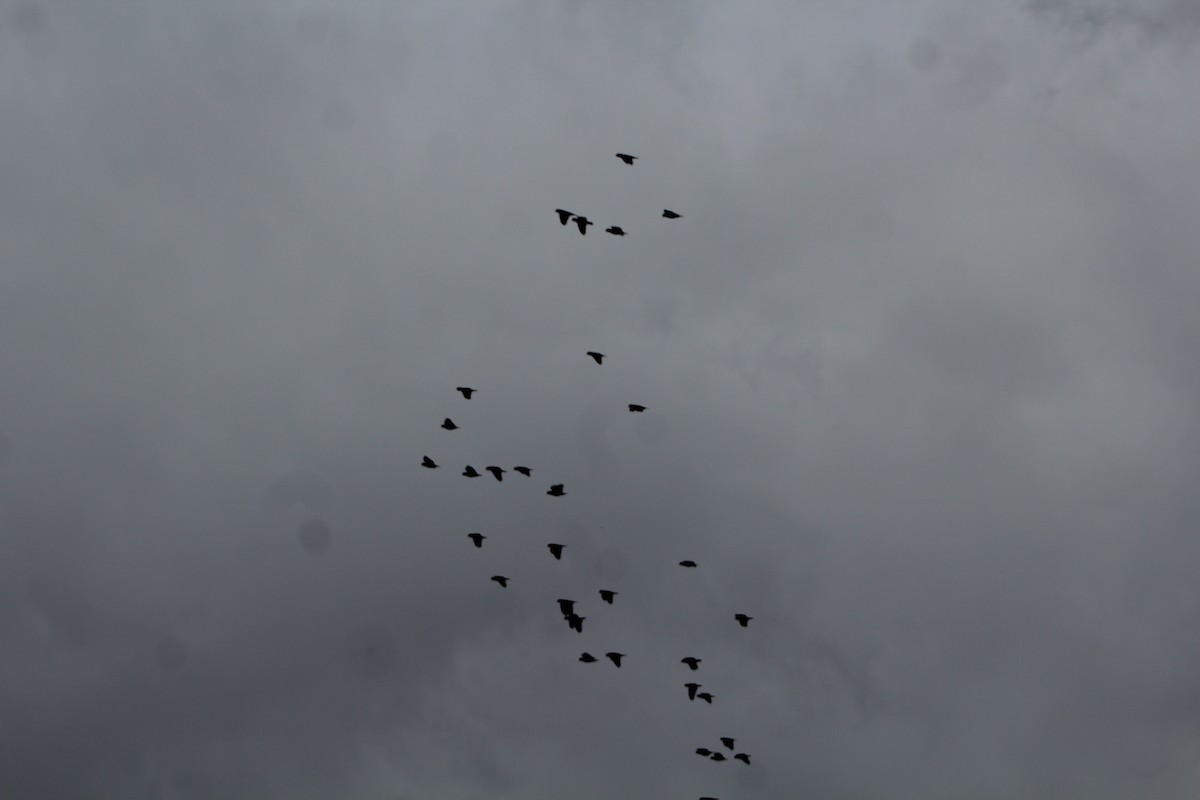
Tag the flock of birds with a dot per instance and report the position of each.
(566, 607)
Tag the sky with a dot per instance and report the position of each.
(919, 364)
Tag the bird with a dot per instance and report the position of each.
(717, 756)
(575, 622)
(598, 356)
(467, 390)
(499, 473)
(556, 550)
(477, 538)
(742, 619)
(705, 696)
(685, 563)
(635, 408)
(615, 230)
(556, 490)
(743, 757)
(564, 216)
(567, 607)
(727, 741)
(587, 658)
(628, 159)
(526, 471)
(583, 222)
(428, 462)
(615, 658)
(500, 579)
(449, 425)
(692, 662)
(703, 751)
(692, 687)
(470, 472)
(607, 595)
(669, 214)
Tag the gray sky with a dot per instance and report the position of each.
(920, 363)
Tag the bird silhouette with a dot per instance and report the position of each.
(705, 696)
(449, 425)
(669, 214)
(687, 563)
(470, 472)
(556, 490)
(615, 658)
(703, 751)
(634, 407)
(742, 619)
(500, 579)
(477, 538)
(599, 357)
(587, 658)
(727, 741)
(428, 462)
(575, 622)
(583, 222)
(526, 471)
(628, 159)
(499, 473)
(564, 216)
(692, 662)
(567, 607)
(743, 757)
(692, 687)
(717, 756)
(615, 230)
(607, 595)
(556, 550)
(467, 390)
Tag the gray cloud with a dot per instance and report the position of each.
(918, 363)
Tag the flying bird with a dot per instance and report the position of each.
(615, 658)
(717, 756)
(564, 216)
(742, 619)
(628, 159)
(705, 696)
(470, 472)
(567, 607)
(587, 658)
(743, 757)
(598, 356)
(727, 741)
(500, 579)
(499, 473)
(467, 390)
(556, 550)
(703, 751)
(615, 230)
(686, 563)
(692, 687)
(692, 662)
(635, 408)
(556, 490)
(449, 425)
(575, 622)
(669, 214)
(583, 222)
(607, 595)
(526, 471)
(428, 462)
(477, 538)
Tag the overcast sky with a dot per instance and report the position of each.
(921, 364)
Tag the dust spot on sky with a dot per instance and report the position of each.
(315, 536)
(372, 651)
(339, 115)
(29, 19)
(924, 55)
